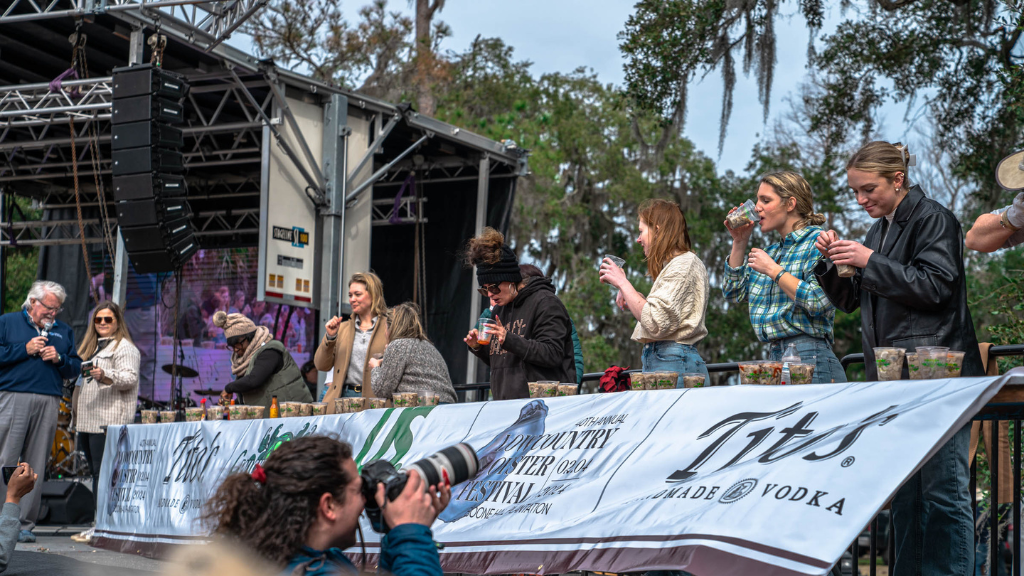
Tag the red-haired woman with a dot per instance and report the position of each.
(670, 320)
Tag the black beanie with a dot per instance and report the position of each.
(505, 270)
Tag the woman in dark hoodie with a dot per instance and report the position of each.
(531, 334)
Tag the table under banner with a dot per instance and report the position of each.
(720, 481)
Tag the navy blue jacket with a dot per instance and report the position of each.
(20, 372)
(407, 550)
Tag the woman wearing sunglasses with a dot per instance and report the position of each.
(531, 334)
(107, 394)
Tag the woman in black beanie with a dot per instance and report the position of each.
(531, 338)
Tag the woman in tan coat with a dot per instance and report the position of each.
(348, 346)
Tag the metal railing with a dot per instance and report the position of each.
(1005, 407)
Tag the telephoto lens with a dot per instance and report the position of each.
(453, 465)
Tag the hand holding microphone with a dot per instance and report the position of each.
(35, 346)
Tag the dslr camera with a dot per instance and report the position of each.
(455, 464)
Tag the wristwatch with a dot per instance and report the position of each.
(1005, 222)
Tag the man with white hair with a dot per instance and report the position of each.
(37, 353)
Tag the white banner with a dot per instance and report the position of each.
(718, 481)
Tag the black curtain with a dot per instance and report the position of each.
(451, 214)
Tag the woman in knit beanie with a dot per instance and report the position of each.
(262, 366)
(531, 334)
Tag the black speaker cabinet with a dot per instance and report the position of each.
(145, 109)
(151, 212)
(141, 160)
(164, 260)
(150, 238)
(148, 79)
(148, 185)
(137, 134)
(66, 503)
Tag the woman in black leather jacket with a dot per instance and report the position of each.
(911, 289)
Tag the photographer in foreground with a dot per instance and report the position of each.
(22, 482)
(300, 510)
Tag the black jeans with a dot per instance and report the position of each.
(92, 447)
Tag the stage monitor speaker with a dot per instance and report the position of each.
(149, 185)
(164, 260)
(141, 160)
(148, 79)
(151, 212)
(145, 109)
(136, 134)
(66, 503)
(150, 238)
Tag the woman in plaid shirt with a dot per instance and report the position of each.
(787, 306)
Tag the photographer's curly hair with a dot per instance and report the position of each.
(485, 248)
(273, 517)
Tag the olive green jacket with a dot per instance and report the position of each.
(287, 383)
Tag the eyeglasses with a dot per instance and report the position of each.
(103, 320)
(56, 310)
(489, 290)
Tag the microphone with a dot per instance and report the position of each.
(46, 330)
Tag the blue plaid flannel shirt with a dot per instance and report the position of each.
(774, 314)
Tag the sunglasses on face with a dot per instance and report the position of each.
(489, 290)
(103, 320)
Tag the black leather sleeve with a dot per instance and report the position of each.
(843, 293)
(930, 279)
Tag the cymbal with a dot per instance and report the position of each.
(183, 371)
(1010, 171)
(210, 392)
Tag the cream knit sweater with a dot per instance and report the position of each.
(677, 305)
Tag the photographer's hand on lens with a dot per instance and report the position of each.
(22, 482)
(439, 499)
(413, 506)
(35, 345)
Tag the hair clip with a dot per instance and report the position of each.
(259, 475)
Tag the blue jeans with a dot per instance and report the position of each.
(668, 356)
(827, 367)
(931, 515)
(347, 392)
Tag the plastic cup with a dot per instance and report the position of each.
(916, 367)
(376, 403)
(550, 388)
(638, 381)
(319, 408)
(483, 333)
(535, 390)
(236, 412)
(568, 389)
(167, 416)
(429, 399)
(954, 363)
(745, 214)
(306, 408)
(291, 409)
(889, 362)
(693, 380)
(150, 416)
(801, 373)
(664, 381)
(355, 405)
(215, 413)
(845, 270)
(621, 263)
(405, 399)
(193, 414)
(935, 363)
(771, 373)
(750, 372)
(256, 412)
